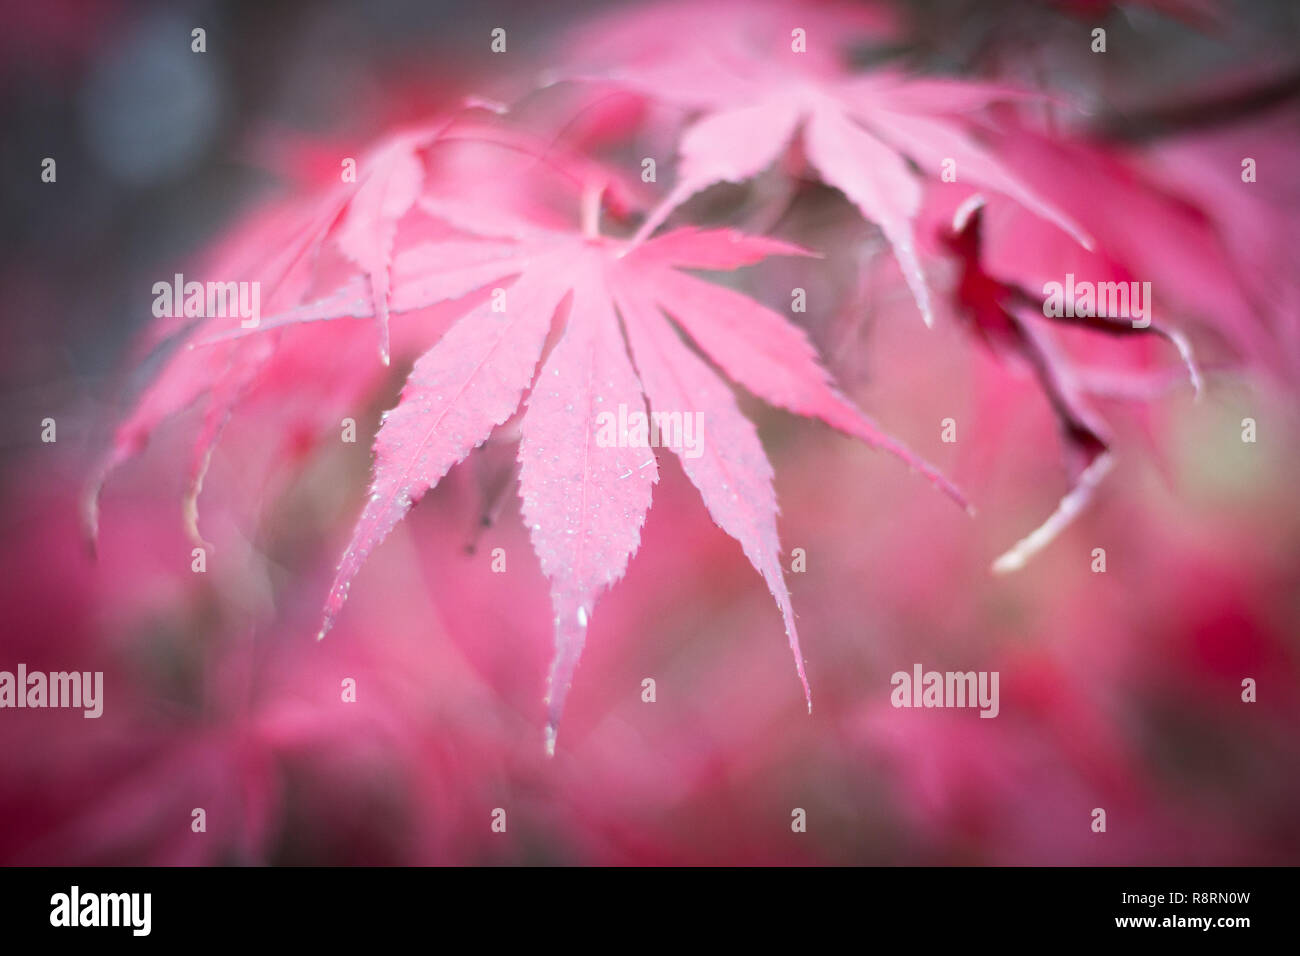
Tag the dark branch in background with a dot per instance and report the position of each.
(1222, 109)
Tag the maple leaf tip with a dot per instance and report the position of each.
(90, 520)
(190, 519)
(1184, 348)
(1008, 563)
(794, 249)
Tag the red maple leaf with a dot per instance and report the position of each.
(1010, 320)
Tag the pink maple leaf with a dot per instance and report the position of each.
(279, 249)
(367, 227)
(761, 90)
(585, 501)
